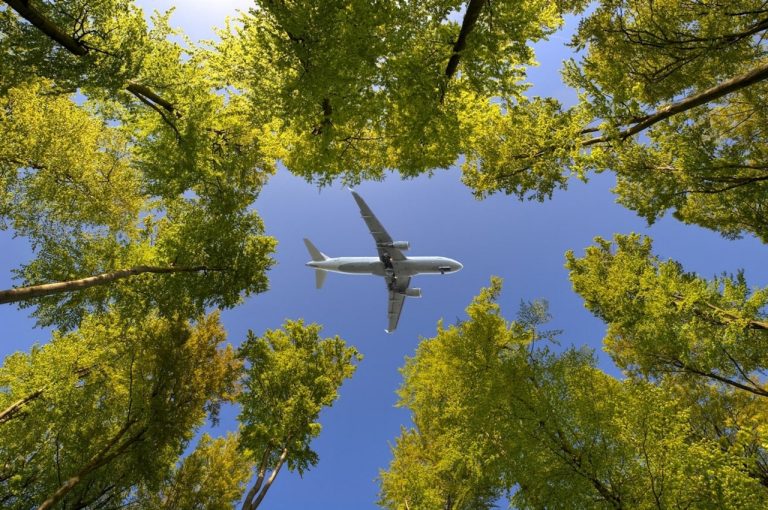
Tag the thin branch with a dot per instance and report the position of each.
(100, 459)
(729, 315)
(143, 90)
(730, 382)
(741, 370)
(152, 105)
(14, 408)
(11, 411)
(712, 191)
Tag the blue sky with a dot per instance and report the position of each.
(524, 243)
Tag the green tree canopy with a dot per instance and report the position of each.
(291, 375)
(662, 320)
(119, 181)
(498, 409)
(360, 88)
(94, 414)
(672, 99)
(212, 477)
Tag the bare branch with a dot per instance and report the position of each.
(48, 289)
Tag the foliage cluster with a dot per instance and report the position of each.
(543, 426)
(131, 159)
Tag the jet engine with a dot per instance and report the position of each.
(400, 245)
(412, 292)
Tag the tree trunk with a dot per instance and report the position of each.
(252, 505)
(36, 18)
(101, 458)
(259, 480)
(48, 289)
(467, 25)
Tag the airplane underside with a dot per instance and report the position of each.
(392, 264)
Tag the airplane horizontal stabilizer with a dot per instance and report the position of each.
(319, 278)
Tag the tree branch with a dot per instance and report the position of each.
(160, 112)
(730, 382)
(48, 289)
(259, 480)
(12, 409)
(143, 90)
(36, 18)
(77, 48)
(728, 315)
(751, 77)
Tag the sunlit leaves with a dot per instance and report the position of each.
(62, 167)
(705, 163)
(120, 390)
(363, 88)
(664, 320)
(212, 477)
(292, 374)
(497, 412)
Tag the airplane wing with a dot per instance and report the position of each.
(396, 300)
(379, 234)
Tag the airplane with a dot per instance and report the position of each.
(396, 268)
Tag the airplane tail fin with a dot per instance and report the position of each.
(316, 254)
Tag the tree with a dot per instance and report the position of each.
(212, 477)
(76, 43)
(663, 320)
(509, 414)
(106, 189)
(132, 171)
(672, 100)
(199, 257)
(360, 88)
(94, 414)
(453, 457)
(291, 375)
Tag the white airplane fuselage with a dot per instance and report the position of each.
(411, 266)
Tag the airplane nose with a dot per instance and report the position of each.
(459, 266)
